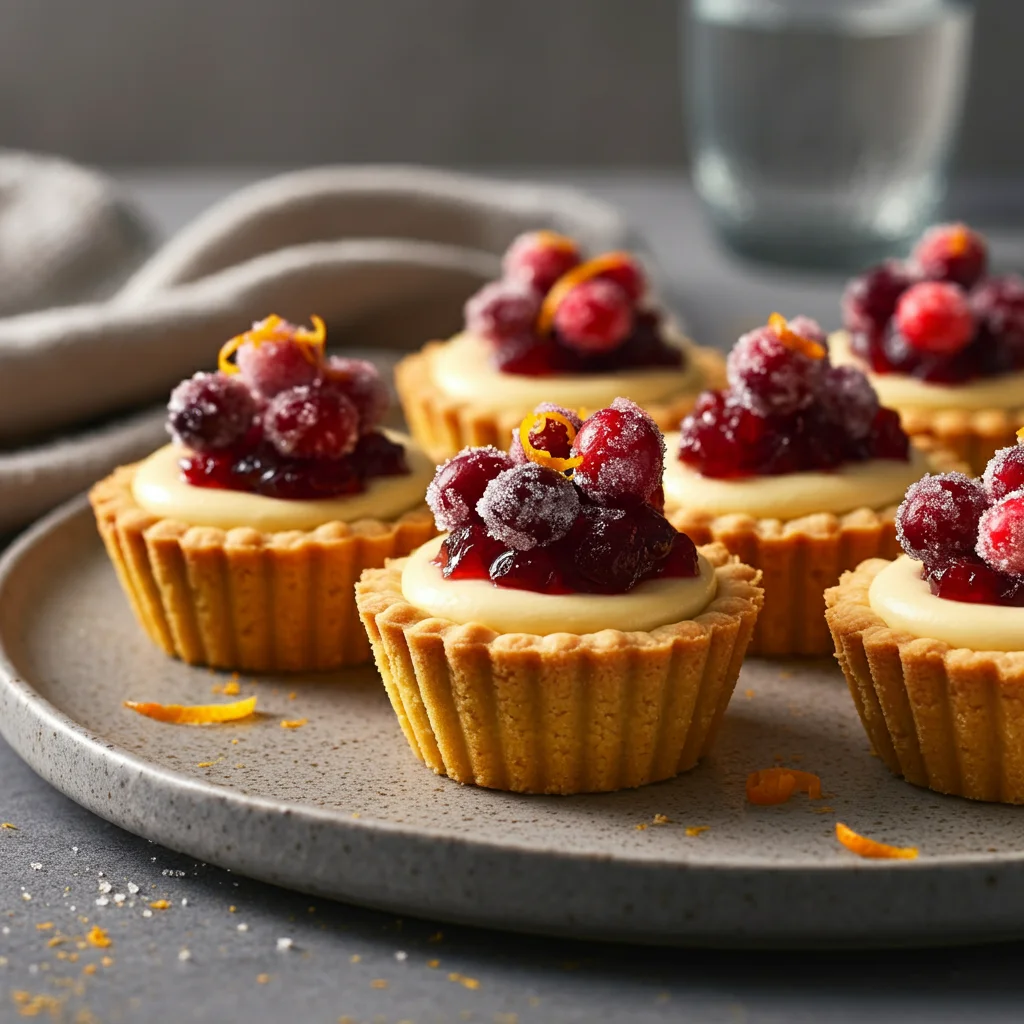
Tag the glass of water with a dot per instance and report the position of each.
(822, 129)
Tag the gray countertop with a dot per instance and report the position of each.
(226, 948)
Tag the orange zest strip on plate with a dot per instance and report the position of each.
(274, 328)
(771, 786)
(568, 281)
(537, 421)
(797, 342)
(871, 848)
(195, 714)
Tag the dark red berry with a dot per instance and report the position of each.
(209, 469)
(1001, 535)
(770, 376)
(849, 394)
(503, 310)
(682, 560)
(376, 455)
(552, 438)
(655, 537)
(607, 555)
(595, 316)
(935, 317)
(887, 439)
(528, 506)
(360, 382)
(460, 483)
(1005, 472)
(622, 451)
(210, 411)
(308, 479)
(531, 356)
(998, 303)
(536, 569)
(952, 252)
(971, 581)
(467, 553)
(870, 300)
(270, 367)
(540, 258)
(312, 422)
(938, 520)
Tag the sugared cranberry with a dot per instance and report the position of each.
(629, 276)
(887, 439)
(935, 317)
(938, 520)
(622, 452)
(360, 381)
(467, 553)
(849, 394)
(971, 581)
(535, 569)
(870, 300)
(1001, 535)
(595, 316)
(270, 367)
(1004, 472)
(210, 411)
(605, 545)
(540, 258)
(376, 455)
(312, 422)
(529, 505)
(460, 483)
(772, 377)
(952, 252)
(503, 310)
(998, 303)
(552, 438)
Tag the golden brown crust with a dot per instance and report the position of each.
(442, 425)
(799, 558)
(242, 599)
(973, 437)
(560, 713)
(946, 718)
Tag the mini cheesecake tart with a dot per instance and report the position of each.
(932, 644)
(555, 328)
(796, 469)
(942, 342)
(239, 544)
(548, 643)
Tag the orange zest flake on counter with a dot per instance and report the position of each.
(195, 714)
(96, 936)
(293, 723)
(871, 848)
(771, 786)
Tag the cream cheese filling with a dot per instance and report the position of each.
(649, 605)
(158, 487)
(898, 391)
(875, 484)
(462, 369)
(904, 601)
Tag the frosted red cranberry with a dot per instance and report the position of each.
(552, 438)
(938, 519)
(971, 581)
(270, 367)
(769, 377)
(849, 394)
(360, 381)
(622, 451)
(870, 300)
(595, 316)
(1005, 472)
(952, 252)
(809, 328)
(467, 553)
(998, 303)
(629, 276)
(539, 259)
(536, 569)
(935, 317)
(460, 483)
(312, 422)
(210, 411)
(528, 506)
(1001, 535)
(503, 310)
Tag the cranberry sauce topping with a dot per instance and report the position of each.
(572, 507)
(284, 421)
(787, 410)
(969, 533)
(939, 317)
(551, 313)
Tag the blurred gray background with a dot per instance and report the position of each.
(285, 82)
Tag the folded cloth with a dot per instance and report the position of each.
(386, 255)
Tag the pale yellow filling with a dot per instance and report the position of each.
(898, 391)
(875, 484)
(462, 369)
(904, 601)
(651, 604)
(159, 488)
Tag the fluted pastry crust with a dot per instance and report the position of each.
(973, 437)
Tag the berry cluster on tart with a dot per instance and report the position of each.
(561, 636)
(239, 543)
(932, 644)
(798, 469)
(943, 342)
(556, 327)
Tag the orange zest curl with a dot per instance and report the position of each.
(796, 342)
(771, 786)
(274, 328)
(871, 848)
(568, 281)
(1020, 436)
(195, 714)
(537, 421)
(554, 240)
(958, 241)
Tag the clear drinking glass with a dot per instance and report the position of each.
(822, 129)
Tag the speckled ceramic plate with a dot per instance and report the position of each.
(339, 807)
